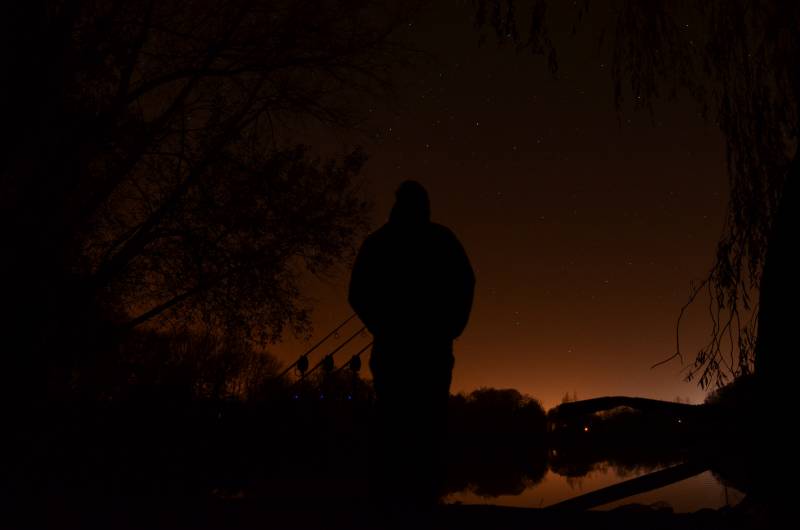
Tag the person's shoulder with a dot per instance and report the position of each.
(443, 232)
(380, 232)
(378, 237)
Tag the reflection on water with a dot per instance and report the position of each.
(585, 447)
(692, 494)
(695, 493)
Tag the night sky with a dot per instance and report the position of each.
(584, 225)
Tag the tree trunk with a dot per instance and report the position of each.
(776, 350)
(776, 347)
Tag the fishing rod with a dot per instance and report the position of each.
(303, 358)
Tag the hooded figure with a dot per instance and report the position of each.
(412, 280)
(412, 285)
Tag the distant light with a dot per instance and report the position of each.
(296, 396)
(680, 420)
(322, 396)
(586, 429)
(349, 397)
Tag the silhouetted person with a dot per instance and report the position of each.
(412, 286)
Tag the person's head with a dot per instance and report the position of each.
(411, 203)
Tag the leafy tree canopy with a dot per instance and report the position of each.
(152, 177)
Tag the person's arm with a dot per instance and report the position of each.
(361, 291)
(463, 288)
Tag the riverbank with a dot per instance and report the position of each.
(245, 514)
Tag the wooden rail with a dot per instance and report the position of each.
(634, 486)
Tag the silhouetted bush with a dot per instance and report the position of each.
(496, 442)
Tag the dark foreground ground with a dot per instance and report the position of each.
(250, 514)
(300, 464)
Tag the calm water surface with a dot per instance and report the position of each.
(692, 494)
